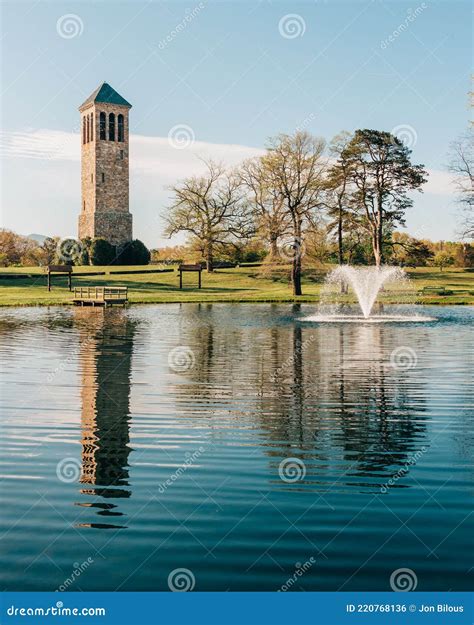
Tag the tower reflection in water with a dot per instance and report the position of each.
(105, 357)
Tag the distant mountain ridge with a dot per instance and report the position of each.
(39, 238)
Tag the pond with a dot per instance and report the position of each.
(240, 443)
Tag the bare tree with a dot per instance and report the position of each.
(296, 167)
(211, 208)
(462, 166)
(271, 219)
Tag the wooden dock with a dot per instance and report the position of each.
(100, 295)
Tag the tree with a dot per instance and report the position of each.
(442, 260)
(17, 249)
(50, 248)
(382, 176)
(462, 166)
(102, 252)
(245, 251)
(337, 195)
(464, 255)
(8, 247)
(318, 247)
(408, 251)
(271, 220)
(210, 207)
(169, 255)
(296, 169)
(418, 254)
(133, 253)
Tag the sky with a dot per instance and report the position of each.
(217, 79)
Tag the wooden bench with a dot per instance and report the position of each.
(65, 270)
(183, 268)
(100, 295)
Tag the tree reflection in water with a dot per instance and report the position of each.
(313, 390)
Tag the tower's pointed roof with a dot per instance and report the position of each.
(105, 93)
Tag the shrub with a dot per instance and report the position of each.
(253, 256)
(101, 252)
(133, 253)
(85, 257)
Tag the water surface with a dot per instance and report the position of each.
(262, 446)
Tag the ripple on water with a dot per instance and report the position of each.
(189, 468)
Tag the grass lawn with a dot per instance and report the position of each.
(244, 284)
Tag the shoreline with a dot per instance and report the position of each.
(427, 286)
(302, 300)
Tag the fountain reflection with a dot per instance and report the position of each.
(105, 356)
(382, 421)
(262, 386)
(317, 393)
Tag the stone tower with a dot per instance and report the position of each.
(104, 167)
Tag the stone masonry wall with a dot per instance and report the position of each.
(105, 181)
(87, 171)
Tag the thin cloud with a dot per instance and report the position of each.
(153, 155)
(41, 183)
(156, 156)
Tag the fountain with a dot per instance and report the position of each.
(366, 283)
